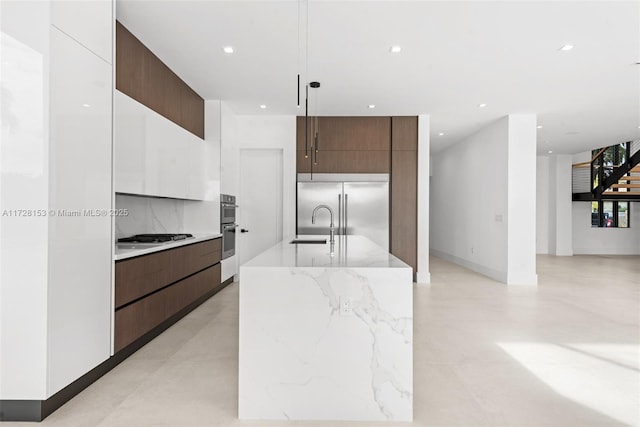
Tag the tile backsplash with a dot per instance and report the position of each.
(149, 215)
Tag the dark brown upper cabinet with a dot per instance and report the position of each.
(345, 145)
(144, 77)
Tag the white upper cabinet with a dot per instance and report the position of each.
(89, 22)
(130, 153)
(154, 156)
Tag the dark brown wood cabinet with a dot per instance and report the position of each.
(137, 277)
(404, 189)
(135, 320)
(371, 145)
(152, 288)
(144, 77)
(345, 145)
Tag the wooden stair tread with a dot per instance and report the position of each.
(620, 193)
(630, 178)
(625, 186)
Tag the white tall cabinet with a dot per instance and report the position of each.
(55, 194)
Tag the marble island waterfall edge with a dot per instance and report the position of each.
(304, 355)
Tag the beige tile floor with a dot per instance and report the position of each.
(563, 354)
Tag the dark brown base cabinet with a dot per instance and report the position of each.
(152, 288)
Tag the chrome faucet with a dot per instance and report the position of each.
(331, 227)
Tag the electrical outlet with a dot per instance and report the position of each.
(346, 306)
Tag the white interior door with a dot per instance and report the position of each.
(260, 202)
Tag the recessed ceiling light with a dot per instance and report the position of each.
(395, 49)
(228, 49)
(372, 106)
(482, 105)
(539, 126)
(550, 152)
(86, 105)
(263, 106)
(441, 134)
(566, 47)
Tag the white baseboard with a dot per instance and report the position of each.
(500, 276)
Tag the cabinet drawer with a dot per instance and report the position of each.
(140, 276)
(202, 255)
(133, 321)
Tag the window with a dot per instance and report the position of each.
(610, 214)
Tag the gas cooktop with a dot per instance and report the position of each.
(154, 238)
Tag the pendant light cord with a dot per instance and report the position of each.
(298, 59)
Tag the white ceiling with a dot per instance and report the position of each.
(455, 55)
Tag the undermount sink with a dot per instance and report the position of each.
(309, 241)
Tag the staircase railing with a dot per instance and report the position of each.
(585, 175)
(592, 178)
(581, 180)
(631, 158)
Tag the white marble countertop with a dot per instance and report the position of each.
(348, 252)
(148, 248)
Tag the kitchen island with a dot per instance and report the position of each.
(326, 334)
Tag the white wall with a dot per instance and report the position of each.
(481, 191)
(468, 195)
(521, 210)
(256, 132)
(246, 132)
(560, 231)
(424, 172)
(542, 205)
(229, 157)
(602, 240)
(275, 132)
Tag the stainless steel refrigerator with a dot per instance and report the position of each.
(359, 207)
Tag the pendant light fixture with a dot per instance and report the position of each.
(314, 147)
(306, 122)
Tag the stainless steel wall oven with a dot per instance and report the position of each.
(228, 224)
